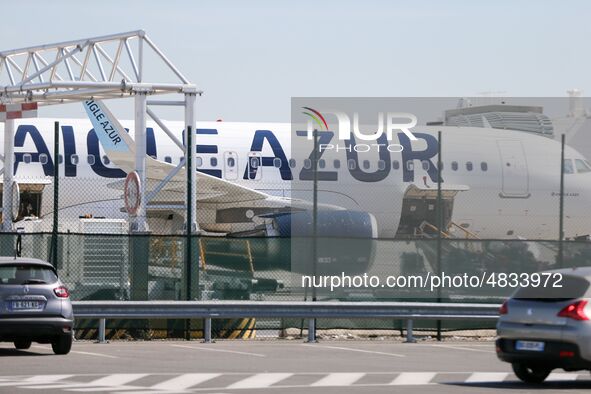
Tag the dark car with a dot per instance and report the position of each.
(34, 305)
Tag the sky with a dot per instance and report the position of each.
(251, 57)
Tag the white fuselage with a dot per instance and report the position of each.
(510, 180)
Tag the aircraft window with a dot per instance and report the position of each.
(231, 162)
(74, 159)
(90, 159)
(292, 163)
(168, 159)
(337, 164)
(43, 158)
(307, 164)
(27, 158)
(366, 164)
(582, 166)
(454, 165)
(321, 163)
(425, 165)
(105, 160)
(351, 164)
(568, 166)
(381, 165)
(198, 161)
(277, 162)
(213, 162)
(410, 165)
(469, 166)
(395, 164)
(483, 166)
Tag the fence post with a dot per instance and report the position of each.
(207, 330)
(439, 224)
(560, 256)
(101, 331)
(56, 177)
(311, 330)
(409, 336)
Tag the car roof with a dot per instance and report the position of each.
(8, 260)
(576, 271)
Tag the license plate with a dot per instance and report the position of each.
(26, 305)
(530, 346)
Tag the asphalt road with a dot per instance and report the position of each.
(270, 367)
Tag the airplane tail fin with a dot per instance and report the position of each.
(117, 144)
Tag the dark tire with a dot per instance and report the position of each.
(22, 344)
(531, 374)
(62, 344)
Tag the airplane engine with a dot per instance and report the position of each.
(345, 243)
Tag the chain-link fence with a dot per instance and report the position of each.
(474, 201)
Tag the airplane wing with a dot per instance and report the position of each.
(120, 148)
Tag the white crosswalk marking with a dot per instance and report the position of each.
(134, 383)
(562, 376)
(260, 380)
(338, 379)
(109, 382)
(482, 377)
(413, 378)
(46, 378)
(185, 381)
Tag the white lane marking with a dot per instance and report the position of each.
(80, 352)
(259, 381)
(413, 378)
(54, 386)
(338, 379)
(94, 354)
(562, 376)
(184, 381)
(219, 350)
(463, 348)
(354, 350)
(483, 377)
(46, 378)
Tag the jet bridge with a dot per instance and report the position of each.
(97, 68)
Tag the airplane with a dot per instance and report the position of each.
(256, 178)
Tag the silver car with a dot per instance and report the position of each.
(540, 329)
(34, 305)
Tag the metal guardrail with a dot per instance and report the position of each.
(208, 310)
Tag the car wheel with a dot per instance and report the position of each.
(62, 344)
(22, 344)
(531, 374)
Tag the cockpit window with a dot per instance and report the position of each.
(582, 166)
(568, 166)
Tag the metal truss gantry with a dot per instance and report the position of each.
(100, 68)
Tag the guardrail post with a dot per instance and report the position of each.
(207, 330)
(409, 337)
(311, 330)
(101, 331)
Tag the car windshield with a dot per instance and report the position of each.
(20, 274)
(567, 288)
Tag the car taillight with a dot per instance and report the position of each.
(504, 309)
(575, 311)
(61, 292)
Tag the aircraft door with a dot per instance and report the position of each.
(515, 177)
(231, 165)
(254, 166)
